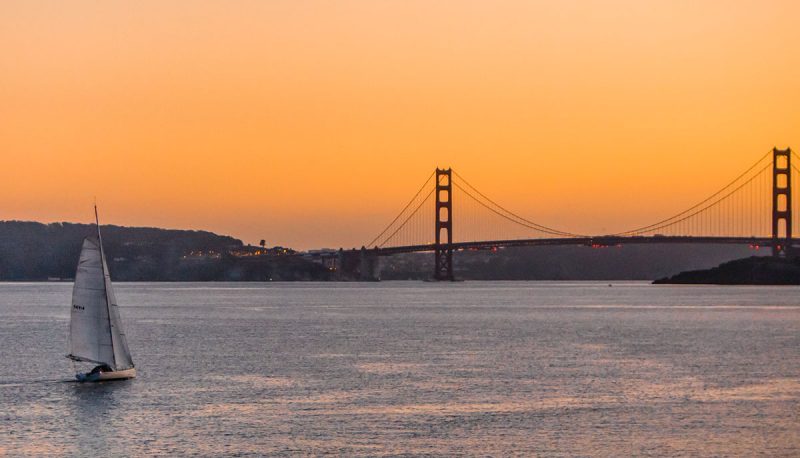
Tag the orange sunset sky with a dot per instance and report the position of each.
(311, 123)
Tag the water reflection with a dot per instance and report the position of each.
(95, 409)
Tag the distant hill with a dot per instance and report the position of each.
(628, 262)
(36, 251)
(32, 251)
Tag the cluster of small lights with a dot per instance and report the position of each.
(276, 251)
(201, 254)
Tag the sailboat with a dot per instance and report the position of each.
(95, 331)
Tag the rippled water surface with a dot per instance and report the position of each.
(543, 369)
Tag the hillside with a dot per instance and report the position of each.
(36, 251)
(629, 262)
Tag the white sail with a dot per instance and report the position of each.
(122, 356)
(96, 333)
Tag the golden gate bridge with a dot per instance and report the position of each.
(448, 214)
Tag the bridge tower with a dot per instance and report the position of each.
(443, 269)
(781, 201)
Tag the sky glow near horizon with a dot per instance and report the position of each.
(311, 124)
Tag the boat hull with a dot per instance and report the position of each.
(105, 376)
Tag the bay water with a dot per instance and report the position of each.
(410, 368)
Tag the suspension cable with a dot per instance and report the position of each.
(651, 226)
(506, 217)
(522, 221)
(651, 229)
(407, 219)
(402, 211)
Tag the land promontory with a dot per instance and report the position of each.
(767, 270)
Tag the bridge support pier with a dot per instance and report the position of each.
(781, 201)
(341, 264)
(369, 266)
(443, 266)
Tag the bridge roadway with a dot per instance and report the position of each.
(599, 241)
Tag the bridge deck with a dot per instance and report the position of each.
(581, 241)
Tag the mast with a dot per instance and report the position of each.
(105, 286)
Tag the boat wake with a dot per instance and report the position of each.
(13, 383)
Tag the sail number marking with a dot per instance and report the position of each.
(79, 307)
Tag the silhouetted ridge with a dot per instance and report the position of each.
(749, 271)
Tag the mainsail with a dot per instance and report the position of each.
(96, 333)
